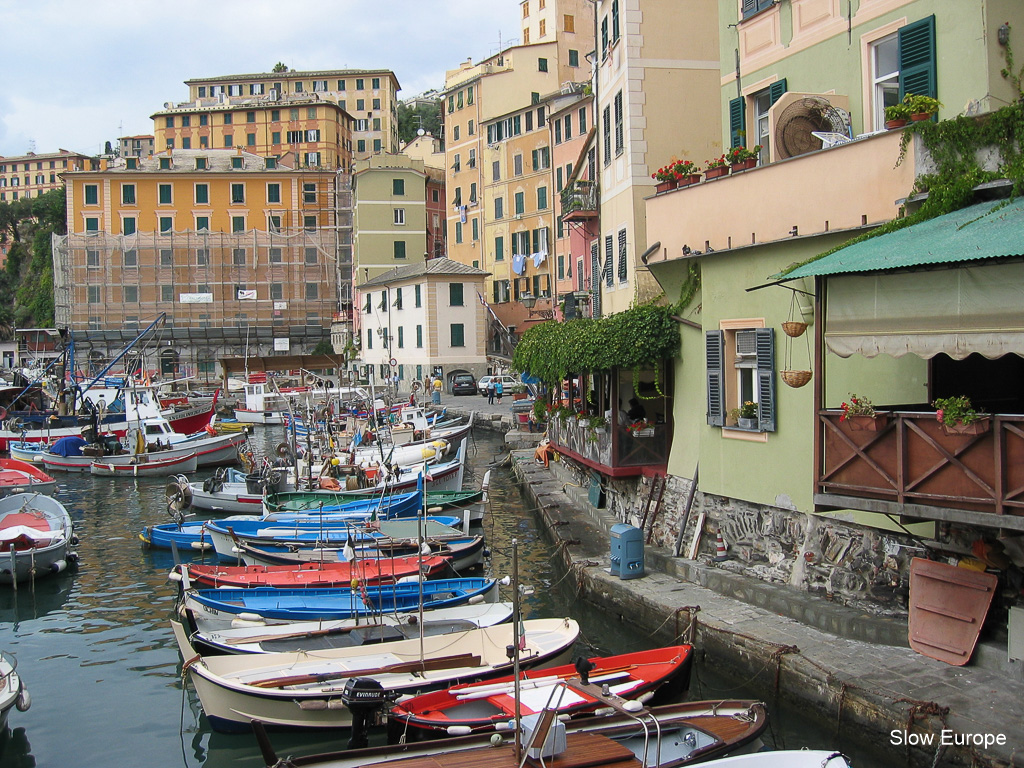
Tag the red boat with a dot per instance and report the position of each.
(370, 571)
(18, 476)
(664, 672)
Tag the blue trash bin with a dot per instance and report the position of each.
(627, 551)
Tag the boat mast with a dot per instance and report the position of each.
(516, 618)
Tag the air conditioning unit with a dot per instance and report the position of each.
(746, 346)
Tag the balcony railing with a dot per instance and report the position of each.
(612, 449)
(580, 196)
(907, 458)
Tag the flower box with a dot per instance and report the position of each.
(979, 427)
(743, 423)
(859, 422)
(743, 165)
(645, 432)
(666, 186)
(692, 178)
(714, 173)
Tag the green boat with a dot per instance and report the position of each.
(301, 501)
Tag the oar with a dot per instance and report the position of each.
(443, 662)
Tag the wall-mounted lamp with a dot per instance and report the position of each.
(529, 301)
(1003, 34)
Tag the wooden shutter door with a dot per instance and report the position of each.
(917, 58)
(737, 123)
(765, 343)
(714, 354)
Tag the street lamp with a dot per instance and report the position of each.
(529, 301)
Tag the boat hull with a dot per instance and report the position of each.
(153, 466)
(35, 537)
(17, 476)
(231, 700)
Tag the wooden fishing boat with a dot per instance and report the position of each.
(194, 534)
(18, 476)
(667, 736)
(303, 575)
(302, 690)
(211, 636)
(35, 536)
(26, 451)
(301, 501)
(13, 692)
(659, 675)
(144, 465)
(464, 552)
(342, 602)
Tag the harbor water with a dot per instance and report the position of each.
(96, 652)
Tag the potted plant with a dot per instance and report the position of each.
(745, 415)
(666, 179)
(741, 158)
(958, 417)
(641, 428)
(686, 172)
(897, 116)
(716, 167)
(860, 413)
(921, 107)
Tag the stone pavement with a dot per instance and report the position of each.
(904, 703)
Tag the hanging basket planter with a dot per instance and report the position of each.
(794, 328)
(795, 378)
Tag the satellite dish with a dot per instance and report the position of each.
(421, 132)
(795, 127)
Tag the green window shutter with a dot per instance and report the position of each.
(595, 284)
(455, 294)
(458, 335)
(714, 353)
(776, 89)
(499, 248)
(535, 162)
(917, 58)
(737, 122)
(494, 285)
(765, 344)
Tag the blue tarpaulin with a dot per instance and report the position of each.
(68, 446)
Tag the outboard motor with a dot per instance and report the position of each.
(365, 699)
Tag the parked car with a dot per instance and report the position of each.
(507, 382)
(463, 384)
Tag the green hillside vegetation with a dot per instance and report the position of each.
(26, 280)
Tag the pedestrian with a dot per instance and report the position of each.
(437, 391)
(491, 389)
(498, 390)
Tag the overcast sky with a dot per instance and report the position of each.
(78, 73)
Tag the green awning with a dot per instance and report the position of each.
(969, 234)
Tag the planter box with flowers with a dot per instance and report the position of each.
(921, 107)
(641, 428)
(741, 158)
(746, 415)
(958, 417)
(860, 414)
(678, 173)
(897, 116)
(716, 167)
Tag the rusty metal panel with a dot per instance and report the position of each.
(948, 605)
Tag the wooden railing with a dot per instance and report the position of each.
(909, 458)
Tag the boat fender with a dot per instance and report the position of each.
(201, 545)
(409, 579)
(336, 704)
(645, 697)
(246, 616)
(459, 730)
(174, 576)
(242, 623)
(236, 551)
(496, 740)
(632, 706)
(58, 566)
(72, 557)
(476, 599)
(503, 727)
(602, 711)
(487, 552)
(73, 541)
(314, 705)
(24, 700)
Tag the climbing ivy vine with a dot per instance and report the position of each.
(637, 338)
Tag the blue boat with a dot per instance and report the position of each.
(342, 602)
(196, 534)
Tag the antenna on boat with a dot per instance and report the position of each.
(514, 648)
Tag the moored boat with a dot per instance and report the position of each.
(13, 692)
(35, 536)
(659, 675)
(144, 465)
(303, 690)
(342, 602)
(18, 476)
(210, 636)
(667, 736)
(309, 575)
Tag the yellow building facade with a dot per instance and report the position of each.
(243, 253)
(31, 175)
